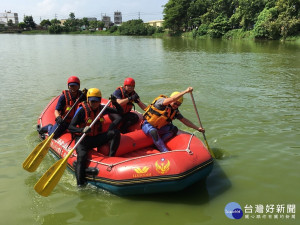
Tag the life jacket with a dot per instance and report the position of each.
(127, 107)
(159, 118)
(69, 104)
(90, 115)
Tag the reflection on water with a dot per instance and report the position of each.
(247, 94)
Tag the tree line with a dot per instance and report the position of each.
(268, 19)
(72, 24)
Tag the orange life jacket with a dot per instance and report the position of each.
(127, 107)
(159, 118)
(90, 115)
(69, 105)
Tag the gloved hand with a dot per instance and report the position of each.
(113, 99)
(134, 98)
(87, 129)
(83, 96)
(84, 91)
(59, 120)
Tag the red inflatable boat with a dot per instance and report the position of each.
(138, 167)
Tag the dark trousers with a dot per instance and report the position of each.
(90, 142)
(126, 120)
(51, 128)
(60, 130)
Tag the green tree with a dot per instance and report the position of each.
(289, 17)
(197, 9)
(113, 29)
(224, 7)
(28, 20)
(219, 27)
(22, 25)
(265, 26)
(282, 20)
(55, 22)
(93, 25)
(45, 23)
(133, 27)
(84, 22)
(10, 23)
(71, 24)
(246, 13)
(175, 14)
(100, 24)
(269, 19)
(55, 29)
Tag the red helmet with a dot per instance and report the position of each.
(73, 80)
(129, 81)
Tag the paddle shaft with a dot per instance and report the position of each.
(201, 125)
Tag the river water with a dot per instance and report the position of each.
(247, 94)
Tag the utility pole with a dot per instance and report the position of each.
(139, 15)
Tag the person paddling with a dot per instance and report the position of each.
(158, 118)
(95, 136)
(65, 103)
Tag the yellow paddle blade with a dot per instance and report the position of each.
(35, 158)
(210, 151)
(49, 180)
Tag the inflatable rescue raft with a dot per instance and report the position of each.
(138, 167)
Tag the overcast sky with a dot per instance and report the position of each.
(49, 9)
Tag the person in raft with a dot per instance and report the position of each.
(95, 136)
(126, 97)
(65, 103)
(159, 115)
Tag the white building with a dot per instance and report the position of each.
(106, 21)
(118, 18)
(7, 16)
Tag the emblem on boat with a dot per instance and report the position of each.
(142, 172)
(139, 170)
(162, 167)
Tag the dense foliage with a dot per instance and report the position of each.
(74, 25)
(270, 19)
(28, 23)
(136, 27)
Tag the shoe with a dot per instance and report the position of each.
(42, 136)
(164, 150)
(81, 186)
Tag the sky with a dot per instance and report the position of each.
(146, 10)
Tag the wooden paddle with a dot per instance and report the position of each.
(211, 152)
(35, 158)
(49, 180)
